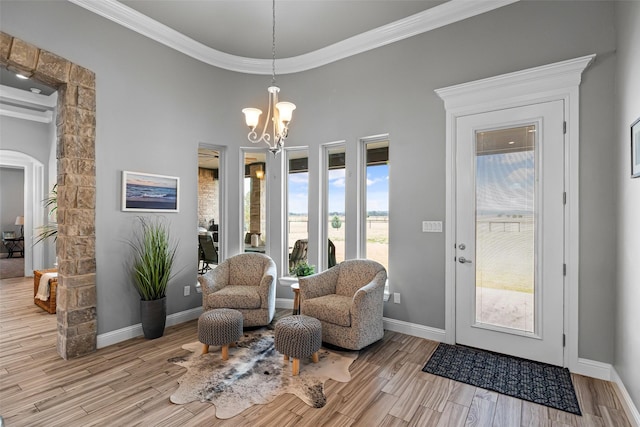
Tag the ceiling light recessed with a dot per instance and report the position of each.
(511, 142)
(21, 76)
(35, 90)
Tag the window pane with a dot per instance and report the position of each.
(297, 205)
(336, 205)
(208, 208)
(505, 227)
(376, 230)
(255, 202)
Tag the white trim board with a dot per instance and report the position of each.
(629, 407)
(133, 331)
(558, 81)
(430, 19)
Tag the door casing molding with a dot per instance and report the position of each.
(557, 81)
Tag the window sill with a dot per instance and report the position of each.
(288, 280)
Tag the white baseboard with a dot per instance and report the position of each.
(414, 329)
(133, 331)
(629, 407)
(593, 369)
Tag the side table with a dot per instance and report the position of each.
(14, 245)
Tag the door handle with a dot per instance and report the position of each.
(463, 260)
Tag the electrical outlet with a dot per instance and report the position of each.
(187, 291)
(396, 298)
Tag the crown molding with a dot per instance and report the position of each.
(430, 19)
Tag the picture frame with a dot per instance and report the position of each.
(146, 192)
(635, 149)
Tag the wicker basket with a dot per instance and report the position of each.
(50, 305)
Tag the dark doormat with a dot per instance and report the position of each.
(524, 379)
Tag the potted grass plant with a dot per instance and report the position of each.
(152, 264)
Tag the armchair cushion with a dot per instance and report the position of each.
(237, 296)
(334, 308)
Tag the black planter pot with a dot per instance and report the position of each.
(153, 315)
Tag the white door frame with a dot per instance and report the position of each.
(558, 81)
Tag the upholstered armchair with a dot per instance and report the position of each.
(348, 301)
(244, 282)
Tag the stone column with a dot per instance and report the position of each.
(75, 246)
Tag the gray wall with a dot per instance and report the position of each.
(11, 199)
(149, 121)
(627, 349)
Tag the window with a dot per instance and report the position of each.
(334, 223)
(375, 191)
(210, 211)
(297, 204)
(254, 201)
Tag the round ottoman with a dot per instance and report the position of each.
(221, 326)
(298, 337)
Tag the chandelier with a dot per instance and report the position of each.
(279, 113)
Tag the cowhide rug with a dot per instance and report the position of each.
(255, 373)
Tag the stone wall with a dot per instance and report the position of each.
(75, 247)
(208, 197)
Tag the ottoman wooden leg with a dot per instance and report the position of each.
(225, 352)
(296, 367)
(205, 348)
(286, 358)
(315, 357)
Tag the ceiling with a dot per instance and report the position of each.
(244, 27)
(237, 34)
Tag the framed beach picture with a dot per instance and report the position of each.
(145, 192)
(635, 149)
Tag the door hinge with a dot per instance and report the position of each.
(564, 340)
(564, 269)
(564, 198)
(564, 127)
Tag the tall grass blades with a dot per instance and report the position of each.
(154, 255)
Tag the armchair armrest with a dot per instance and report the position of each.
(214, 280)
(367, 303)
(320, 284)
(267, 289)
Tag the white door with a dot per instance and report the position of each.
(510, 231)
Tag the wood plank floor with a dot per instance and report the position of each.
(130, 383)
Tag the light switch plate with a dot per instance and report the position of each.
(432, 226)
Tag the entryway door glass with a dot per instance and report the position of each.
(510, 231)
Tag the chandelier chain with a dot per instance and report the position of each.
(273, 44)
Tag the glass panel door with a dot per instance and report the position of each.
(505, 227)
